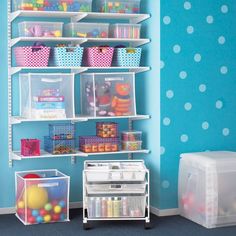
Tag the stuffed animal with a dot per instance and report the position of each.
(121, 102)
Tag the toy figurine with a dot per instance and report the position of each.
(121, 102)
(104, 100)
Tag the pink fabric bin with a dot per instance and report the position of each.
(98, 56)
(36, 56)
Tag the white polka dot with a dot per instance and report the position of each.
(221, 40)
(210, 19)
(187, 5)
(224, 9)
(224, 70)
(183, 75)
(162, 150)
(190, 29)
(219, 104)
(169, 94)
(165, 184)
(176, 48)
(166, 121)
(162, 64)
(166, 20)
(184, 138)
(187, 106)
(202, 88)
(197, 57)
(225, 132)
(205, 125)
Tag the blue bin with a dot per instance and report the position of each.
(62, 131)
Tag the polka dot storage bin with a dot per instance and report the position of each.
(68, 56)
(53, 5)
(127, 57)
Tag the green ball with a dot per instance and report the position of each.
(48, 207)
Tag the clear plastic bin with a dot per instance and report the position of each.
(41, 94)
(108, 94)
(131, 135)
(59, 146)
(42, 196)
(116, 206)
(62, 131)
(40, 29)
(130, 31)
(131, 146)
(207, 193)
(118, 6)
(87, 30)
(53, 5)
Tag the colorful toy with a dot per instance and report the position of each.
(62, 204)
(107, 129)
(39, 219)
(48, 207)
(121, 102)
(30, 147)
(47, 218)
(43, 212)
(35, 213)
(21, 204)
(132, 146)
(57, 209)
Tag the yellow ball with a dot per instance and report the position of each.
(21, 204)
(47, 218)
(57, 33)
(36, 197)
(57, 209)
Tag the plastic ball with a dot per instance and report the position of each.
(95, 32)
(47, 218)
(62, 217)
(104, 34)
(29, 212)
(54, 202)
(31, 176)
(31, 219)
(35, 213)
(39, 219)
(57, 33)
(43, 212)
(57, 209)
(62, 204)
(56, 217)
(36, 197)
(59, 191)
(48, 207)
(20, 211)
(20, 204)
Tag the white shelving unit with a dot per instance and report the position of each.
(73, 17)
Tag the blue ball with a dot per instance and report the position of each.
(58, 190)
(62, 204)
(39, 219)
(62, 217)
(35, 213)
(95, 32)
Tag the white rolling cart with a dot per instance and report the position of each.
(115, 190)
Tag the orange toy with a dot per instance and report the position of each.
(121, 102)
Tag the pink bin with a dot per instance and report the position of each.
(99, 56)
(36, 56)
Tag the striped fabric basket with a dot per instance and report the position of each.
(127, 57)
(36, 56)
(68, 56)
(98, 56)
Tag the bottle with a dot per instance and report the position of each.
(91, 207)
(109, 207)
(98, 207)
(104, 207)
(116, 207)
(125, 206)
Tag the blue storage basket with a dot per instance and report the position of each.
(62, 131)
(127, 57)
(68, 56)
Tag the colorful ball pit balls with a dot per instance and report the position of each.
(43, 212)
(62, 217)
(55, 217)
(35, 213)
(57, 209)
(62, 204)
(39, 219)
(31, 220)
(47, 218)
(104, 34)
(48, 207)
(36, 197)
(20, 204)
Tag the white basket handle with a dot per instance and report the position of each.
(51, 80)
(48, 185)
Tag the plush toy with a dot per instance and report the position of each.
(104, 99)
(121, 102)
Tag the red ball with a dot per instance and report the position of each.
(43, 212)
(31, 176)
(104, 34)
(31, 219)
(29, 212)
(20, 211)
(54, 202)
(56, 217)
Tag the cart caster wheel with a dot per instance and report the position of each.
(86, 226)
(147, 225)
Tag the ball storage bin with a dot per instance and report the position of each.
(46, 96)
(127, 57)
(131, 136)
(62, 131)
(108, 94)
(40, 29)
(207, 190)
(107, 129)
(131, 31)
(35, 56)
(30, 147)
(42, 196)
(118, 6)
(59, 146)
(53, 5)
(87, 30)
(132, 145)
(98, 56)
(68, 56)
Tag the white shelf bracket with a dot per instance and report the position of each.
(79, 17)
(78, 71)
(139, 70)
(14, 70)
(73, 160)
(139, 19)
(13, 15)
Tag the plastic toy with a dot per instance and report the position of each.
(62, 204)
(132, 146)
(30, 147)
(36, 197)
(107, 129)
(121, 102)
(48, 207)
(57, 209)
(47, 218)
(39, 31)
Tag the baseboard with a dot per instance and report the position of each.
(12, 210)
(167, 212)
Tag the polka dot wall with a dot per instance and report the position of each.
(198, 83)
